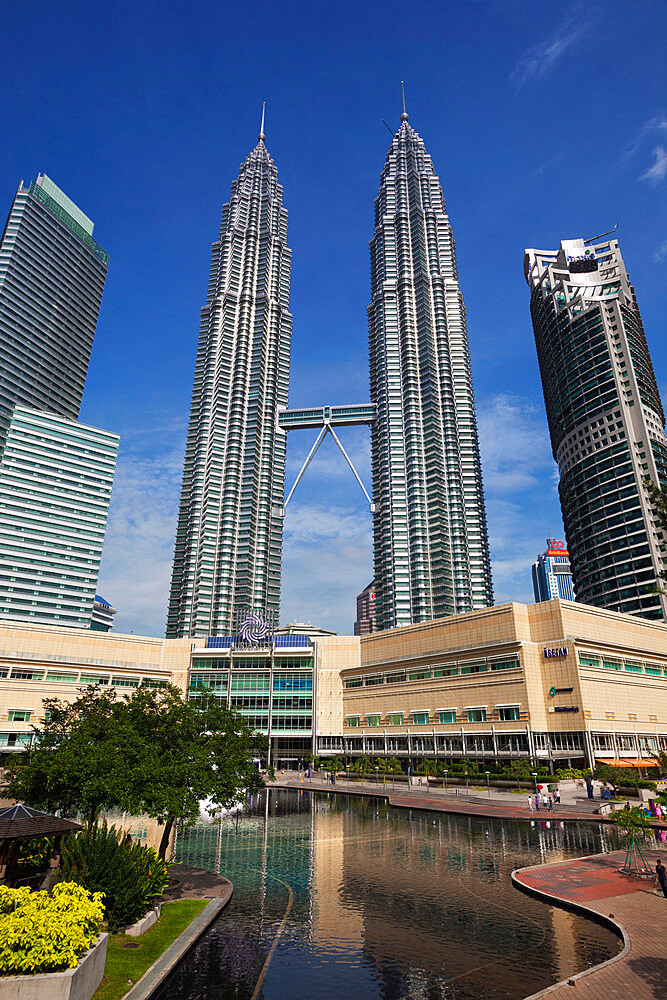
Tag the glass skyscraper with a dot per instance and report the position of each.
(52, 274)
(606, 421)
(430, 538)
(229, 536)
(55, 474)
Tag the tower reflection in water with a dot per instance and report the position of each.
(362, 900)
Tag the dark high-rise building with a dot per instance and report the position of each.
(227, 560)
(606, 422)
(431, 549)
(366, 621)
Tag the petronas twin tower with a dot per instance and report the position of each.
(430, 539)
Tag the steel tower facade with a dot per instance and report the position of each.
(229, 536)
(606, 422)
(430, 537)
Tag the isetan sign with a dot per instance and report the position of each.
(555, 651)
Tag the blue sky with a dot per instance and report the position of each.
(543, 122)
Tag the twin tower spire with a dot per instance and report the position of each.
(431, 555)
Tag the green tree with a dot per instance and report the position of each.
(150, 751)
(658, 498)
(72, 765)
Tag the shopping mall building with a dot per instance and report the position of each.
(556, 682)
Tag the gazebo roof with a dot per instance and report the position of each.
(19, 822)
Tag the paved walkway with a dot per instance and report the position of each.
(196, 883)
(595, 886)
(474, 804)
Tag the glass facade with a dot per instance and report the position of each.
(606, 422)
(273, 691)
(52, 275)
(430, 538)
(229, 536)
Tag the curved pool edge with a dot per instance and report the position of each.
(575, 907)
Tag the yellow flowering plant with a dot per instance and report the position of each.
(47, 933)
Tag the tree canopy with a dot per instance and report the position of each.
(150, 752)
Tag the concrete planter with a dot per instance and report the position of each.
(78, 983)
(146, 922)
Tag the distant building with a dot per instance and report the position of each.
(302, 628)
(366, 622)
(102, 620)
(552, 576)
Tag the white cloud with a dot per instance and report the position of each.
(656, 124)
(520, 480)
(661, 253)
(138, 551)
(327, 561)
(541, 59)
(514, 443)
(658, 171)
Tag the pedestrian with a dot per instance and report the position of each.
(551, 804)
(545, 801)
(530, 802)
(662, 876)
(537, 803)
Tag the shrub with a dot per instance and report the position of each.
(42, 933)
(131, 877)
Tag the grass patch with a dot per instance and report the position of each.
(131, 963)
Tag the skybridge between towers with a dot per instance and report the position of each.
(326, 418)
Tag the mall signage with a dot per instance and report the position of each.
(556, 651)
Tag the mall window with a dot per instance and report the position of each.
(447, 717)
(374, 720)
(374, 681)
(476, 714)
(63, 678)
(633, 667)
(586, 660)
(612, 664)
(396, 677)
(509, 664)
(509, 713)
(420, 718)
(419, 675)
(603, 741)
(396, 718)
(446, 671)
(353, 721)
(474, 668)
(354, 682)
(19, 715)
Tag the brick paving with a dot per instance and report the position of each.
(595, 885)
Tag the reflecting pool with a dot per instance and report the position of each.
(345, 897)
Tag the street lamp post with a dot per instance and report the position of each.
(376, 776)
(446, 769)
(488, 786)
